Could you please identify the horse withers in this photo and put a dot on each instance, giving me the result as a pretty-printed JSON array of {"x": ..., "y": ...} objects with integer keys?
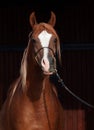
[{"x": 32, "y": 102}]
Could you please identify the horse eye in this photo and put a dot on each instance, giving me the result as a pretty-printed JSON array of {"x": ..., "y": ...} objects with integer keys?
[
  {"x": 55, "y": 40},
  {"x": 33, "y": 40}
]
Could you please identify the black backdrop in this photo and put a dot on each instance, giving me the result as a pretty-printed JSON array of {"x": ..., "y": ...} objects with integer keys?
[{"x": 75, "y": 26}]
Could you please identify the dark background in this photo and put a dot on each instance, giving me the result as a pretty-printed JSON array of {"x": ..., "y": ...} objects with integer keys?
[
  {"x": 74, "y": 20},
  {"x": 75, "y": 27}
]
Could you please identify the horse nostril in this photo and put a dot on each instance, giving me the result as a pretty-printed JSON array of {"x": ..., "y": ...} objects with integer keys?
[
  {"x": 43, "y": 61},
  {"x": 48, "y": 64},
  {"x": 51, "y": 60},
  {"x": 52, "y": 63},
  {"x": 45, "y": 64}
]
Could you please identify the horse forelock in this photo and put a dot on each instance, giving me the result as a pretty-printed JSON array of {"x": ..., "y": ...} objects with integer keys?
[{"x": 43, "y": 26}]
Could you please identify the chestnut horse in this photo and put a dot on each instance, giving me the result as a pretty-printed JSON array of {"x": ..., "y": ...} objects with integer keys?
[{"x": 32, "y": 102}]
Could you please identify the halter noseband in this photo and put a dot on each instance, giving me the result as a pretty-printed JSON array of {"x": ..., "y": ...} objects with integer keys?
[{"x": 43, "y": 48}]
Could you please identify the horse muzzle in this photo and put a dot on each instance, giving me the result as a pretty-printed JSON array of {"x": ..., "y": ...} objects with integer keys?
[{"x": 48, "y": 65}]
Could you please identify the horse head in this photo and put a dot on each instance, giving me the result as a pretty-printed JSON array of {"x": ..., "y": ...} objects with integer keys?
[
  {"x": 43, "y": 48},
  {"x": 45, "y": 42}
]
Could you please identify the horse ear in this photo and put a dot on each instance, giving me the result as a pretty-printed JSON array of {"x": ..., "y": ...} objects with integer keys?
[
  {"x": 32, "y": 19},
  {"x": 52, "y": 20}
]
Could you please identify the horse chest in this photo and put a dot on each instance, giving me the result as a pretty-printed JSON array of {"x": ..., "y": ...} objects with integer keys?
[{"x": 40, "y": 115}]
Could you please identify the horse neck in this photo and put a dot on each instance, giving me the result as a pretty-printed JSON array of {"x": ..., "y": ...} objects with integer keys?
[
  {"x": 34, "y": 74},
  {"x": 35, "y": 81}
]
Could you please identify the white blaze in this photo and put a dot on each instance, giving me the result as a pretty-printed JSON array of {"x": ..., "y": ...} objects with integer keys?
[{"x": 45, "y": 37}]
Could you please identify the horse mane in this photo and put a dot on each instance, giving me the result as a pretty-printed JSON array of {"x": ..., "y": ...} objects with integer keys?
[
  {"x": 23, "y": 69},
  {"x": 12, "y": 89},
  {"x": 21, "y": 81}
]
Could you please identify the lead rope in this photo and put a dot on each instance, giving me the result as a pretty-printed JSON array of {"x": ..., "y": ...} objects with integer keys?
[{"x": 74, "y": 95}]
